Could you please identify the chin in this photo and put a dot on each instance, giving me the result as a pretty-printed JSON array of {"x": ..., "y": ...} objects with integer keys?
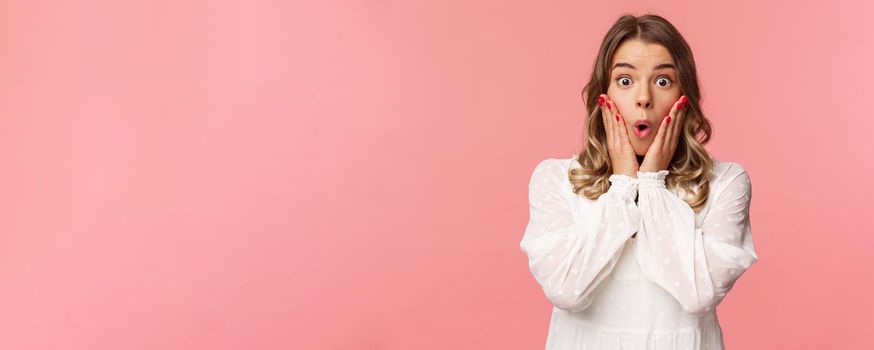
[{"x": 640, "y": 151}]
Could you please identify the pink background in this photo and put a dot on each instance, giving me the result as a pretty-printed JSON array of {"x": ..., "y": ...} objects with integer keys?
[{"x": 353, "y": 175}]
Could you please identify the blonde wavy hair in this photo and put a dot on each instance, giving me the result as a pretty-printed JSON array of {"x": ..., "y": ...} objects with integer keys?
[{"x": 691, "y": 165}]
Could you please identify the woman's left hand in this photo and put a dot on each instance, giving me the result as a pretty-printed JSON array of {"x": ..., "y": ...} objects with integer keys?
[{"x": 658, "y": 156}]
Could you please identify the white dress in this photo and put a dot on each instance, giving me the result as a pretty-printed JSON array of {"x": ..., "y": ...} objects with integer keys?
[{"x": 656, "y": 291}]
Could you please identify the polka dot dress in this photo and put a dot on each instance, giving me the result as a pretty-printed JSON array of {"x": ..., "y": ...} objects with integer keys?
[{"x": 658, "y": 290}]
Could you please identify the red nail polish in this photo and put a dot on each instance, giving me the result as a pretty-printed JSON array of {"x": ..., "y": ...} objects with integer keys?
[
  {"x": 669, "y": 120},
  {"x": 617, "y": 117},
  {"x": 609, "y": 105},
  {"x": 600, "y": 101}
]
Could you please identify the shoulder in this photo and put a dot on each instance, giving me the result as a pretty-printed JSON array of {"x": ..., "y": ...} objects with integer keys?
[
  {"x": 730, "y": 177},
  {"x": 728, "y": 171},
  {"x": 552, "y": 170},
  {"x": 553, "y": 166}
]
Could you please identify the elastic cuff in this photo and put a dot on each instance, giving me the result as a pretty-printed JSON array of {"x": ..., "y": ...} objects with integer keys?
[
  {"x": 651, "y": 180},
  {"x": 623, "y": 185}
]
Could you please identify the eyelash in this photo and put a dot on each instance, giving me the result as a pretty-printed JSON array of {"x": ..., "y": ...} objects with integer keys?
[{"x": 662, "y": 76}]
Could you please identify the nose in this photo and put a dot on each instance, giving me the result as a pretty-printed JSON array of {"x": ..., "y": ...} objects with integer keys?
[{"x": 643, "y": 99}]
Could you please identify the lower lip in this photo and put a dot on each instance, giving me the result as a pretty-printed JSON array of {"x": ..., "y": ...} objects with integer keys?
[{"x": 641, "y": 134}]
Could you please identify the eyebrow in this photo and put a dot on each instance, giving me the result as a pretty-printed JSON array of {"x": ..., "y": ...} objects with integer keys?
[{"x": 628, "y": 65}]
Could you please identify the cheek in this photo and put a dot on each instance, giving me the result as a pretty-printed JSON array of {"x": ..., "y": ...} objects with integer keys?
[
  {"x": 666, "y": 108},
  {"x": 618, "y": 100},
  {"x": 613, "y": 93}
]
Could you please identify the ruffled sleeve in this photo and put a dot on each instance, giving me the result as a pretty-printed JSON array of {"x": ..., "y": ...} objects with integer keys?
[
  {"x": 570, "y": 251},
  {"x": 696, "y": 265}
]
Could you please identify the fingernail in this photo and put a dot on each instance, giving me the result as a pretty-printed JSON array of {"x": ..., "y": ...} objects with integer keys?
[
  {"x": 669, "y": 120},
  {"x": 617, "y": 117},
  {"x": 600, "y": 101},
  {"x": 609, "y": 105}
]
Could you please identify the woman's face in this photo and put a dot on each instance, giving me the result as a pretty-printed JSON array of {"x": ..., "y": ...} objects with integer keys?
[{"x": 644, "y": 86}]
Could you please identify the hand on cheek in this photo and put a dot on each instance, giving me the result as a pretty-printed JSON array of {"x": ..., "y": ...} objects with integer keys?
[
  {"x": 623, "y": 159},
  {"x": 659, "y": 155}
]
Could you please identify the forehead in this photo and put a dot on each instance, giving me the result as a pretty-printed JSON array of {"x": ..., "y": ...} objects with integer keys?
[{"x": 640, "y": 54}]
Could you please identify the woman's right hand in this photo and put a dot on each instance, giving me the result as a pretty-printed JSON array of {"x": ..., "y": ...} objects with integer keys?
[{"x": 622, "y": 156}]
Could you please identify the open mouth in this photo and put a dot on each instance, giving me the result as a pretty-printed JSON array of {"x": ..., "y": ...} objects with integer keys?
[{"x": 641, "y": 130}]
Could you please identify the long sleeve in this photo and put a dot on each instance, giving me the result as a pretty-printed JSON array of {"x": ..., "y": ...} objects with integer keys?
[
  {"x": 697, "y": 266},
  {"x": 570, "y": 250}
]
